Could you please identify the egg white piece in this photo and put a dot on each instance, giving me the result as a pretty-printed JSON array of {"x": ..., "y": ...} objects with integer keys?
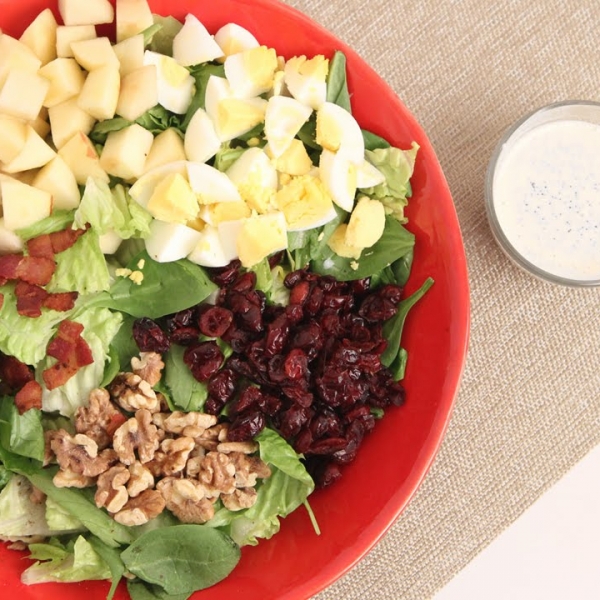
[
  {"x": 253, "y": 167},
  {"x": 284, "y": 118},
  {"x": 308, "y": 89},
  {"x": 229, "y": 232},
  {"x": 232, "y": 38},
  {"x": 323, "y": 220},
  {"x": 217, "y": 89},
  {"x": 193, "y": 44},
  {"x": 339, "y": 176},
  {"x": 201, "y": 141},
  {"x": 141, "y": 191},
  {"x": 335, "y": 119},
  {"x": 109, "y": 242},
  {"x": 246, "y": 73},
  {"x": 175, "y": 85},
  {"x": 368, "y": 175},
  {"x": 211, "y": 185},
  {"x": 168, "y": 242},
  {"x": 209, "y": 251}
]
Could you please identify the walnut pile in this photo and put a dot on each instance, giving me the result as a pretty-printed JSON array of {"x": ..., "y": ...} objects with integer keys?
[{"x": 143, "y": 458}]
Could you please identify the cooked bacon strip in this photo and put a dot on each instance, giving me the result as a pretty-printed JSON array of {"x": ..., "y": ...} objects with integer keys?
[
  {"x": 71, "y": 351},
  {"x": 29, "y": 396},
  {"x": 62, "y": 240},
  {"x": 3, "y": 281},
  {"x": 36, "y": 269},
  {"x": 9, "y": 264},
  {"x": 30, "y": 299},
  {"x": 41, "y": 246},
  {"x": 14, "y": 374},
  {"x": 1, "y": 296},
  {"x": 60, "y": 301}
]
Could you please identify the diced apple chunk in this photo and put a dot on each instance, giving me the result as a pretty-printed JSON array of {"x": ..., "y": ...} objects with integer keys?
[
  {"x": 16, "y": 55},
  {"x": 10, "y": 242},
  {"x": 66, "y": 80},
  {"x": 130, "y": 53},
  {"x": 40, "y": 124},
  {"x": 57, "y": 179},
  {"x": 35, "y": 153},
  {"x": 125, "y": 152},
  {"x": 23, "y": 205},
  {"x": 66, "y": 35},
  {"x": 67, "y": 119},
  {"x": 90, "y": 12},
  {"x": 92, "y": 54},
  {"x": 166, "y": 148},
  {"x": 40, "y": 36},
  {"x": 81, "y": 157},
  {"x": 13, "y": 134},
  {"x": 139, "y": 93},
  {"x": 100, "y": 93},
  {"x": 22, "y": 94},
  {"x": 133, "y": 16}
]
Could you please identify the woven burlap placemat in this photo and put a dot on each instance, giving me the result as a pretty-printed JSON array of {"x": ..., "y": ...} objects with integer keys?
[{"x": 529, "y": 405}]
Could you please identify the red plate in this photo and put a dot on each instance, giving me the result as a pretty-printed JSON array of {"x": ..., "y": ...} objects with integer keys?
[{"x": 393, "y": 460}]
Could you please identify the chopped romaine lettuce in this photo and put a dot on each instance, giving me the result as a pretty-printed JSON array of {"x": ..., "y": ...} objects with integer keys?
[{"x": 59, "y": 519}]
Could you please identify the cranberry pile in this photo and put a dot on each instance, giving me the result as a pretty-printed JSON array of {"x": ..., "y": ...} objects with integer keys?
[{"x": 312, "y": 369}]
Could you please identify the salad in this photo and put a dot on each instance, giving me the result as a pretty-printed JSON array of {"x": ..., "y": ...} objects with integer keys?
[{"x": 202, "y": 263}]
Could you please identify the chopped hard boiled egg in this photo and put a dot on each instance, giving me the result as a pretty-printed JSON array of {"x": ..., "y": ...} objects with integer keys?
[
  {"x": 338, "y": 131},
  {"x": 173, "y": 200},
  {"x": 283, "y": 119},
  {"x": 174, "y": 82},
  {"x": 168, "y": 242},
  {"x": 306, "y": 80},
  {"x": 211, "y": 185},
  {"x": 201, "y": 142},
  {"x": 305, "y": 203},
  {"x": 368, "y": 175},
  {"x": 294, "y": 161},
  {"x": 209, "y": 251},
  {"x": 339, "y": 176},
  {"x": 251, "y": 72},
  {"x": 194, "y": 45},
  {"x": 233, "y": 38},
  {"x": 366, "y": 223},
  {"x": 337, "y": 242},
  {"x": 255, "y": 178},
  {"x": 259, "y": 236},
  {"x": 213, "y": 214},
  {"x": 231, "y": 116},
  {"x": 141, "y": 191}
]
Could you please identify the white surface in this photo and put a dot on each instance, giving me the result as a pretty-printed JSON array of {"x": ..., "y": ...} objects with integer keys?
[{"x": 551, "y": 552}]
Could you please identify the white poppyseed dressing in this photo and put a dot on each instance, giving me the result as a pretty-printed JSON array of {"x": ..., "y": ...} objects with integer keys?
[{"x": 547, "y": 198}]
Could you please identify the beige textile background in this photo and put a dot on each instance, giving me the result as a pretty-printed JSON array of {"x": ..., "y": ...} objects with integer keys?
[{"x": 529, "y": 404}]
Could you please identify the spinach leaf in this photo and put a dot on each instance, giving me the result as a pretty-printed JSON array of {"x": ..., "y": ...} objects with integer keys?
[
  {"x": 395, "y": 243},
  {"x": 122, "y": 348},
  {"x": 337, "y": 84},
  {"x": 398, "y": 367},
  {"x": 392, "y": 329},
  {"x": 76, "y": 503},
  {"x": 183, "y": 558},
  {"x": 140, "y": 590},
  {"x": 21, "y": 434},
  {"x": 166, "y": 288},
  {"x": 112, "y": 558},
  {"x": 186, "y": 392},
  {"x": 373, "y": 141}
]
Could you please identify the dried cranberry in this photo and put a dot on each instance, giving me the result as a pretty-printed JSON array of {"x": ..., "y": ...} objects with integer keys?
[
  {"x": 248, "y": 399},
  {"x": 314, "y": 301},
  {"x": 328, "y": 446},
  {"x": 184, "y": 336},
  {"x": 183, "y": 318},
  {"x": 376, "y": 308},
  {"x": 276, "y": 258},
  {"x": 325, "y": 473},
  {"x": 204, "y": 359},
  {"x": 215, "y": 321},
  {"x": 213, "y": 406},
  {"x": 246, "y": 426},
  {"x": 295, "y": 365},
  {"x": 149, "y": 336},
  {"x": 293, "y": 278},
  {"x": 244, "y": 283},
  {"x": 221, "y": 386},
  {"x": 326, "y": 423},
  {"x": 277, "y": 335},
  {"x": 304, "y": 441},
  {"x": 224, "y": 276},
  {"x": 390, "y": 292},
  {"x": 298, "y": 395},
  {"x": 292, "y": 420}
]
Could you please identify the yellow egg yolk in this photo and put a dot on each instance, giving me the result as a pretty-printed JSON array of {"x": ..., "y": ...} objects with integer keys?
[
  {"x": 173, "y": 200},
  {"x": 303, "y": 201},
  {"x": 172, "y": 72},
  {"x": 366, "y": 223},
  {"x": 337, "y": 242},
  {"x": 260, "y": 65},
  {"x": 260, "y": 236},
  {"x": 235, "y": 116},
  {"x": 295, "y": 160}
]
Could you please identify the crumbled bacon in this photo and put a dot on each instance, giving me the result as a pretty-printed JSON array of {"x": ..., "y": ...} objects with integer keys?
[
  {"x": 62, "y": 240},
  {"x": 71, "y": 351},
  {"x": 14, "y": 374},
  {"x": 8, "y": 266},
  {"x": 29, "y": 396},
  {"x": 40, "y": 246},
  {"x": 30, "y": 299},
  {"x": 32, "y": 269},
  {"x": 1, "y": 296},
  {"x": 61, "y": 301}
]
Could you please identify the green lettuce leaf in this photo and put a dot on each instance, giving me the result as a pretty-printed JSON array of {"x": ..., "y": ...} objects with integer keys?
[
  {"x": 57, "y": 221},
  {"x": 81, "y": 268},
  {"x": 162, "y": 40},
  {"x": 59, "y": 519},
  {"x": 100, "y": 326},
  {"x": 21, "y": 434},
  {"x": 23, "y": 337},
  {"x": 57, "y": 563},
  {"x": 397, "y": 166}
]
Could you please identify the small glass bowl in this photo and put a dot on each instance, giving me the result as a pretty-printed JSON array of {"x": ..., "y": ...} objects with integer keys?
[{"x": 579, "y": 110}]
